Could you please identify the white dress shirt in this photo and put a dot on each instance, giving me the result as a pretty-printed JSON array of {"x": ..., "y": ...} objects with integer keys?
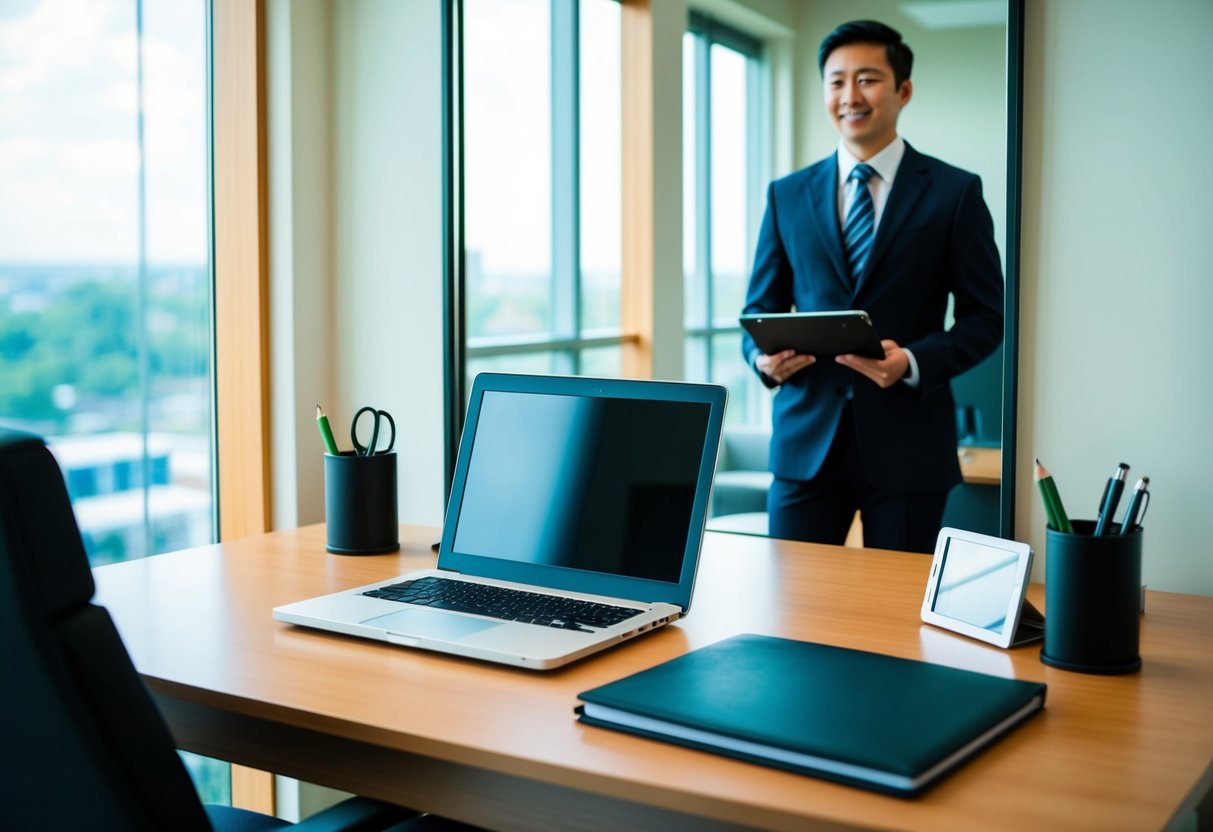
[{"x": 885, "y": 163}]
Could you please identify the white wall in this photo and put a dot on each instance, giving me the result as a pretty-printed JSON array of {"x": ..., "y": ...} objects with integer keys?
[
  {"x": 387, "y": 117},
  {"x": 301, "y": 252},
  {"x": 356, "y": 240},
  {"x": 1117, "y": 285}
]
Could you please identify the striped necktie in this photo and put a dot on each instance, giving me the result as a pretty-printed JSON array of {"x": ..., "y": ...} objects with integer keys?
[{"x": 859, "y": 230}]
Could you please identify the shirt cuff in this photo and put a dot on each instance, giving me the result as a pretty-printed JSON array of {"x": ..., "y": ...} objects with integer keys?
[
  {"x": 766, "y": 380},
  {"x": 911, "y": 377}
]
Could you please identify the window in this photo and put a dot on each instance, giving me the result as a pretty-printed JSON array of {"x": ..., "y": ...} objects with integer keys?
[
  {"x": 724, "y": 174},
  {"x": 105, "y": 328},
  {"x": 542, "y": 194}
]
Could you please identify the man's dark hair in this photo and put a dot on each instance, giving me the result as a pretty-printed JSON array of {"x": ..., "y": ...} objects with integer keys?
[{"x": 901, "y": 59}]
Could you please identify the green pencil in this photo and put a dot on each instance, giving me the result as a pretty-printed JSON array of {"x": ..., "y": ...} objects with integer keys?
[
  {"x": 1054, "y": 509},
  {"x": 326, "y": 433},
  {"x": 1047, "y": 500}
]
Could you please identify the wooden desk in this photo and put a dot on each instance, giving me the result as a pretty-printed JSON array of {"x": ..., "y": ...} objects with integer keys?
[
  {"x": 980, "y": 466},
  {"x": 499, "y": 746}
]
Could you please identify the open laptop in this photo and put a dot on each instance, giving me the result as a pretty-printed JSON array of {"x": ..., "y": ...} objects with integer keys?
[{"x": 586, "y": 495}]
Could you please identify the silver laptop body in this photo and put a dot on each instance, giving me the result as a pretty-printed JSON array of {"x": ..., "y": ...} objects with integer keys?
[{"x": 590, "y": 489}]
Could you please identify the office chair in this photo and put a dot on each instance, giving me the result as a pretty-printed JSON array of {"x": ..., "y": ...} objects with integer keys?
[{"x": 82, "y": 744}]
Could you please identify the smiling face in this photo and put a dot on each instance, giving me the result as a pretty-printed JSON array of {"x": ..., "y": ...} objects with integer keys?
[{"x": 862, "y": 98}]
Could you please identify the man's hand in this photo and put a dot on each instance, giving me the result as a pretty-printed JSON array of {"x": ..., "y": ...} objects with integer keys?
[
  {"x": 885, "y": 371},
  {"x": 783, "y": 365}
]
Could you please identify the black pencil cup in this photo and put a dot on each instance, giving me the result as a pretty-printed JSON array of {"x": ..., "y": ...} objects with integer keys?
[
  {"x": 1092, "y": 600},
  {"x": 360, "y": 503}
]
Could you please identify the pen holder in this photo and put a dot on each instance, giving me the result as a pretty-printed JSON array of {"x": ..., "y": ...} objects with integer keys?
[
  {"x": 360, "y": 503},
  {"x": 1092, "y": 600}
]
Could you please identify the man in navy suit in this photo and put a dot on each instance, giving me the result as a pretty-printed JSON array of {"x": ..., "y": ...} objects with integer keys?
[{"x": 866, "y": 434}]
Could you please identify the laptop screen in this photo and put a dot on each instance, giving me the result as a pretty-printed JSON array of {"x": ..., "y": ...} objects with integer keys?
[
  {"x": 560, "y": 476},
  {"x": 587, "y": 483}
]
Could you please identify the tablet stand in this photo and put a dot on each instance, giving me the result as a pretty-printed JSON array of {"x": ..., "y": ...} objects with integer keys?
[{"x": 1031, "y": 626}]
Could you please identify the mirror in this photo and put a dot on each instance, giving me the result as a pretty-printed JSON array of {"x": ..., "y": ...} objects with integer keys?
[
  {"x": 965, "y": 111},
  {"x": 967, "y": 59}
]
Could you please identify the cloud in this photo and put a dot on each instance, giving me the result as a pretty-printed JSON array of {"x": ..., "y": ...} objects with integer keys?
[
  {"x": 19, "y": 153},
  {"x": 56, "y": 36},
  {"x": 99, "y": 157},
  {"x": 69, "y": 159}
]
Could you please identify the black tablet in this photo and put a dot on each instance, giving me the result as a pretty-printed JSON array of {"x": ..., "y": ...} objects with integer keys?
[{"x": 822, "y": 334}]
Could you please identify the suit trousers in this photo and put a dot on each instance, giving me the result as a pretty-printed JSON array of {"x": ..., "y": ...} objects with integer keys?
[{"x": 820, "y": 510}]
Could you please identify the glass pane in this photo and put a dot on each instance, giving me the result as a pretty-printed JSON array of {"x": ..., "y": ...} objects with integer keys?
[
  {"x": 730, "y": 257},
  {"x": 603, "y": 362},
  {"x": 556, "y": 362},
  {"x": 697, "y": 366},
  {"x": 507, "y": 166},
  {"x": 104, "y": 268},
  {"x": 601, "y": 167},
  {"x": 523, "y": 362},
  {"x": 105, "y": 333},
  {"x": 212, "y": 778},
  {"x": 695, "y": 288},
  {"x": 749, "y": 400}
]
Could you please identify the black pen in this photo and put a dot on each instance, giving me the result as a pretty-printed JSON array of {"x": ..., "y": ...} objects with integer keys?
[
  {"x": 1111, "y": 497},
  {"x": 1135, "y": 510}
]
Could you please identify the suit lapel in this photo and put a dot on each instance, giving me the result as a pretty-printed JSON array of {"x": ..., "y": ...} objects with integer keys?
[
  {"x": 822, "y": 198},
  {"x": 909, "y": 186}
]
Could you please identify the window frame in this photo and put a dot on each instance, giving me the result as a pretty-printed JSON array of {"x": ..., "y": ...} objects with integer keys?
[
  {"x": 567, "y": 340},
  {"x": 240, "y": 254},
  {"x": 708, "y": 32}
]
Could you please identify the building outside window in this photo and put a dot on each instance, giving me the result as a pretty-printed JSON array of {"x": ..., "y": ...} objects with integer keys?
[{"x": 105, "y": 272}]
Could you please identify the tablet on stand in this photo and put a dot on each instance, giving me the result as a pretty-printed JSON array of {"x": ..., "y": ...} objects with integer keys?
[{"x": 977, "y": 588}]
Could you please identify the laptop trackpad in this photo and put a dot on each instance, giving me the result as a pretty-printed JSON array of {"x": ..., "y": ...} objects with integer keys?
[{"x": 422, "y": 623}]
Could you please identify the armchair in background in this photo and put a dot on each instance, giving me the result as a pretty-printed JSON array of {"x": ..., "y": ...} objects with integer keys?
[{"x": 739, "y": 490}]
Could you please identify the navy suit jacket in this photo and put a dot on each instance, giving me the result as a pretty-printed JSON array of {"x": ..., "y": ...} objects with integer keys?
[{"x": 935, "y": 239}]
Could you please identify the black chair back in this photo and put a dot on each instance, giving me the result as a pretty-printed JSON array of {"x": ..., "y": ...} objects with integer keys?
[{"x": 82, "y": 743}]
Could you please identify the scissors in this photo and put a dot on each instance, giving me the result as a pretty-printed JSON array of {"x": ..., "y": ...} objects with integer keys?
[{"x": 377, "y": 416}]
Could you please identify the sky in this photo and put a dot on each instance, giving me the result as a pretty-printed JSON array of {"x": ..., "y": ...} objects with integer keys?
[
  {"x": 508, "y": 142},
  {"x": 69, "y": 151}
]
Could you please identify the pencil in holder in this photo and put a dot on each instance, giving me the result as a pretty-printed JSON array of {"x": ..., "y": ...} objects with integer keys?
[
  {"x": 1092, "y": 600},
  {"x": 360, "y": 503}
]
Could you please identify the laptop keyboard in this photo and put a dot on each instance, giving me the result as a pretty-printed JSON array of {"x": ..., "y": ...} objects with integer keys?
[{"x": 503, "y": 603}]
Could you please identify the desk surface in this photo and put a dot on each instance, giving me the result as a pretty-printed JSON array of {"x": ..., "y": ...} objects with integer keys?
[
  {"x": 499, "y": 746},
  {"x": 980, "y": 466}
]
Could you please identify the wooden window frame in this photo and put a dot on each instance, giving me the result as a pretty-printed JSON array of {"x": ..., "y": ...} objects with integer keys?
[
  {"x": 651, "y": 308},
  {"x": 637, "y": 289},
  {"x": 241, "y": 261}
]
